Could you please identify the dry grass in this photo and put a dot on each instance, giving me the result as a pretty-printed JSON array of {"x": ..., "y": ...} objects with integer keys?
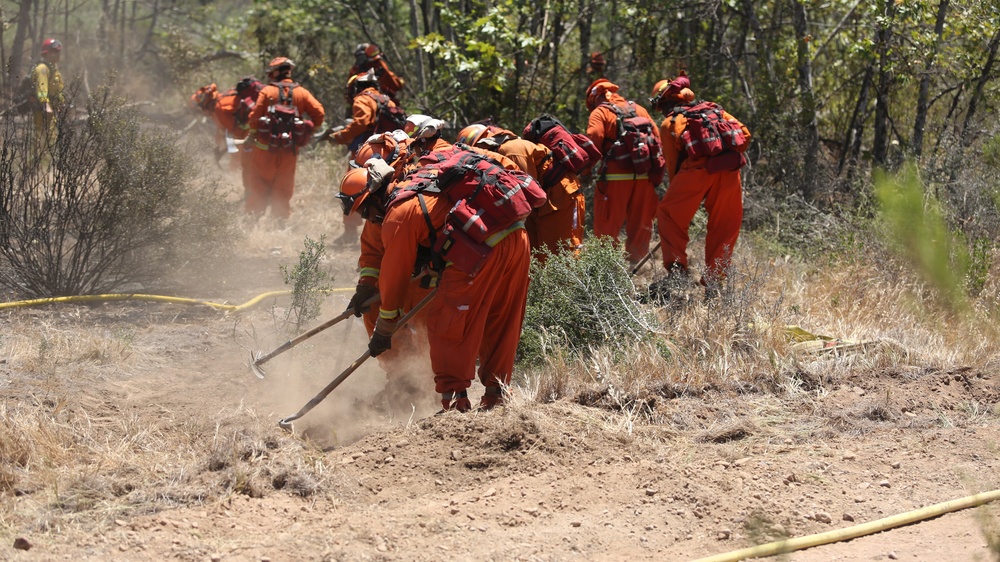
[{"x": 63, "y": 466}]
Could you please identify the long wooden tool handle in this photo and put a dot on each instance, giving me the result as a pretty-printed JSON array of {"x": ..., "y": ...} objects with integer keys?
[
  {"x": 373, "y": 301},
  {"x": 285, "y": 423}
]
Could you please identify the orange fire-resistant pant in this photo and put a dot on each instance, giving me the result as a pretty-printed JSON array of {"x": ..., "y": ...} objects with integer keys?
[
  {"x": 246, "y": 171},
  {"x": 479, "y": 318},
  {"x": 723, "y": 198},
  {"x": 627, "y": 201},
  {"x": 558, "y": 224},
  {"x": 272, "y": 181}
]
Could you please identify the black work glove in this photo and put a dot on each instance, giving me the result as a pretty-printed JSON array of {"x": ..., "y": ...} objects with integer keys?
[
  {"x": 362, "y": 293},
  {"x": 382, "y": 337}
]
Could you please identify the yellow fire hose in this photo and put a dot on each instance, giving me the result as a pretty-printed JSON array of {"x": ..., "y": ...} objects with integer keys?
[
  {"x": 156, "y": 298},
  {"x": 809, "y": 541}
]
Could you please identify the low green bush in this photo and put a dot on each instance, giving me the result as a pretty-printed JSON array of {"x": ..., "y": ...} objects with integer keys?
[{"x": 577, "y": 302}]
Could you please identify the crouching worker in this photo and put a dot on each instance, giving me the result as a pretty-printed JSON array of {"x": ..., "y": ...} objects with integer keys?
[
  {"x": 364, "y": 194},
  {"x": 466, "y": 211}
]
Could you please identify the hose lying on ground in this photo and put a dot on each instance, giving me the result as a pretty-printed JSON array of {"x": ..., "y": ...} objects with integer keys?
[
  {"x": 156, "y": 298},
  {"x": 799, "y": 543}
]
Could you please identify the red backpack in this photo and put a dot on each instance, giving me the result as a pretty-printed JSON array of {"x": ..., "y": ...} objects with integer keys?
[
  {"x": 282, "y": 126},
  {"x": 708, "y": 132},
  {"x": 571, "y": 152},
  {"x": 389, "y": 117},
  {"x": 487, "y": 201},
  {"x": 637, "y": 143},
  {"x": 247, "y": 90}
]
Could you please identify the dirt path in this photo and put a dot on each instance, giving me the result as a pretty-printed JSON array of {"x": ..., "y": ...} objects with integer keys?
[{"x": 535, "y": 482}]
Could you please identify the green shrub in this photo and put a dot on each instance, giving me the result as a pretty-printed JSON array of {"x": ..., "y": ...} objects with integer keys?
[
  {"x": 579, "y": 302},
  {"x": 309, "y": 282},
  {"x": 919, "y": 233}
]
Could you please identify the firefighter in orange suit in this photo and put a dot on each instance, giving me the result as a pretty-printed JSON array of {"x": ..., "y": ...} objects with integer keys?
[
  {"x": 472, "y": 318},
  {"x": 621, "y": 195},
  {"x": 273, "y": 178},
  {"x": 559, "y": 223},
  {"x": 690, "y": 183},
  {"x": 410, "y": 343},
  {"x": 368, "y": 56},
  {"x": 353, "y": 196},
  {"x": 364, "y": 111},
  {"x": 231, "y": 111}
]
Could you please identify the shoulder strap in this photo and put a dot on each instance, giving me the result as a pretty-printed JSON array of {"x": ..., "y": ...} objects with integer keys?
[{"x": 285, "y": 91}]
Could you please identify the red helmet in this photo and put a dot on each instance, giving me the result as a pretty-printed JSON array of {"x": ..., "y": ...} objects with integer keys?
[
  {"x": 385, "y": 146},
  {"x": 678, "y": 89},
  {"x": 472, "y": 134},
  {"x": 205, "y": 98},
  {"x": 51, "y": 45},
  {"x": 354, "y": 190},
  {"x": 597, "y": 62},
  {"x": 280, "y": 63},
  {"x": 598, "y": 92}
]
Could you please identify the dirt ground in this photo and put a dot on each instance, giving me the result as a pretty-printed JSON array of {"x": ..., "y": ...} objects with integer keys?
[{"x": 577, "y": 479}]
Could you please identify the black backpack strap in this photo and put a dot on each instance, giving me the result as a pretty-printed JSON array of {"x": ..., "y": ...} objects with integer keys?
[{"x": 285, "y": 92}]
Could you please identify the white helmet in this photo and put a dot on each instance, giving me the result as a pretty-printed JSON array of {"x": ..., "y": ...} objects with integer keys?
[{"x": 423, "y": 126}]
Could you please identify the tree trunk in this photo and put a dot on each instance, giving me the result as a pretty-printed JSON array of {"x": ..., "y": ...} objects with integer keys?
[
  {"x": 557, "y": 30},
  {"x": 883, "y": 35},
  {"x": 807, "y": 115},
  {"x": 43, "y": 22},
  {"x": 925, "y": 84},
  {"x": 415, "y": 32},
  {"x": 20, "y": 36},
  {"x": 966, "y": 135},
  {"x": 851, "y": 147},
  {"x": 586, "y": 26}
]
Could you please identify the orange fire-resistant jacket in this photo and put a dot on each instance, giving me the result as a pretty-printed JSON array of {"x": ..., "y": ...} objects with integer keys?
[
  {"x": 369, "y": 266},
  {"x": 225, "y": 116},
  {"x": 364, "y": 111},
  {"x": 394, "y": 270}
]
